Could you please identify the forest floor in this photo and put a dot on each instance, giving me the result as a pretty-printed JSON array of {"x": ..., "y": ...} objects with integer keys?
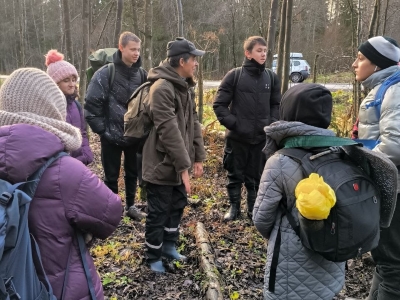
[{"x": 240, "y": 252}]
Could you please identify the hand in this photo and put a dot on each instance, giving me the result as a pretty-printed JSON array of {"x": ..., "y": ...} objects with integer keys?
[
  {"x": 197, "y": 169},
  {"x": 186, "y": 180},
  {"x": 88, "y": 239}
]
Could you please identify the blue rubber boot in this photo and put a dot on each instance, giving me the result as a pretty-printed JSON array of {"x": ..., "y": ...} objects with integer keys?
[
  {"x": 157, "y": 266},
  {"x": 169, "y": 251}
]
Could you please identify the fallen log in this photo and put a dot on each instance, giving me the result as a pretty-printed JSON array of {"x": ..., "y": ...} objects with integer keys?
[{"x": 207, "y": 264}]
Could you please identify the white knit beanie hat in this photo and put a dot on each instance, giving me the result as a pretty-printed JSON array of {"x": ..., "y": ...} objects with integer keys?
[
  {"x": 30, "y": 96},
  {"x": 57, "y": 68}
]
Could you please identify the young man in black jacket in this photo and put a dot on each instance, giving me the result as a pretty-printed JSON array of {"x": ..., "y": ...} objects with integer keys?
[
  {"x": 245, "y": 107},
  {"x": 105, "y": 107}
]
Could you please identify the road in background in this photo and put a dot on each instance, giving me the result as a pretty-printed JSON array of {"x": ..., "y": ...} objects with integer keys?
[{"x": 208, "y": 84}]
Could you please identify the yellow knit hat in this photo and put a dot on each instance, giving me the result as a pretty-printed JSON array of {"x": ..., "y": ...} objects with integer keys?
[{"x": 314, "y": 197}]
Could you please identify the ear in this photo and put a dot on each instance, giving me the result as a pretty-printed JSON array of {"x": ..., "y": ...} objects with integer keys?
[
  {"x": 247, "y": 53},
  {"x": 181, "y": 62},
  {"x": 120, "y": 47}
]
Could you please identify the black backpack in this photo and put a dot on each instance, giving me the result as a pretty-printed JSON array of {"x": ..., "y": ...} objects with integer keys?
[{"x": 352, "y": 227}]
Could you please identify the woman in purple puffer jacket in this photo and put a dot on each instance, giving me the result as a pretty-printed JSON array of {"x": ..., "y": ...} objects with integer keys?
[
  {"x": 69, "y": 196},
  {"x": 66, "y": 76}
]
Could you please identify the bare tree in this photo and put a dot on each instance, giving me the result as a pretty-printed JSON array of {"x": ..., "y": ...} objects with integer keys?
[
  {"x": 67, "y": 31},
  {"x": 180, "y": 17},
  {"x": 85, "y": 48},
  {"x": 385, "y": 18},
  {"x": 288, "y": 33},
  {"x": 118, "y": 21},
  {"x": 373, "y": 20},
  {"x": 273, "y": 16},
  {"x": 135, "y": 22},
  {"x": 281, "y": 42},
  {"x": 105, "y": 23},
  {"x": 148, "y": 34},
  {"x": 378, "y": 17}
]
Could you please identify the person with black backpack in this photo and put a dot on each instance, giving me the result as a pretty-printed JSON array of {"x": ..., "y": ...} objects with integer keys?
[
  {"x": 294, "y": 272},
  {"x": 378, "y": 128},
  {"x": 65, "y": 76},
  {"x": 106, "y": 103},
  {"x": 247, "y": 100}
]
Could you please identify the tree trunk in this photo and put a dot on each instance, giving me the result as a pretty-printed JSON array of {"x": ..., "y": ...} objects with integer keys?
[
  {"x": 135, "y": 17},
  {"x": 378, "y": 17},
  {"x": 67, "y": 32},
  {"x": 288, "y": 33},
  {"x": 373, "y": 20},
  {"x": 118, "y": 21},
  {"x": 148, "y": 35},
  {"x": 281, "y": 42},
  {"x": 385, "y": 19},
  {"x": 105, "y": 23},
  {"x": 85, "y": 49},
  {"x": 272, "y": 32},
  {"x": 180, "y": 18},
  {"x": 233, "y": 35},
  {"x": 200, "y": 90},
  {"x": 315, "y": 68}
]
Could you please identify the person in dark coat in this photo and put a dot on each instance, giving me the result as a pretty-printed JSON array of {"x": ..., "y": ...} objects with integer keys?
[
  {"x": 105, "y": 108},
  {"x": 174, "y": 146},
  {"x": 65, "y": 76},
  {"x": 69, "y": 196},
  {"x": 245, "y": 108}
]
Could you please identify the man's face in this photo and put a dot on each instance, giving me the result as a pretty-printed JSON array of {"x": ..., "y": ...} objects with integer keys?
[
  {"x": 258, "y": 53},
  {"x": 363, "y": 67},
  {"x": 189, "y": 67},
  {"x": 68, "y": 85},
  {"x": 130, "y": 53}
]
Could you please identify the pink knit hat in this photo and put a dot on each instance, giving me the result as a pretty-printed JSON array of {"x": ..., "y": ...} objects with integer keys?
[{"x": 57, "y": 68}]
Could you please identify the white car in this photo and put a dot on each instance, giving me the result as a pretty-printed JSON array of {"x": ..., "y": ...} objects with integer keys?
[{"x": 299, "y": 67}]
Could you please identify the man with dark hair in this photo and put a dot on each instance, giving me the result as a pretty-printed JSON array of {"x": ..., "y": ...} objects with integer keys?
[
  {"x": 247, "y": 100},
  {"x": 174, "y": 146},
  {"x": 105, "y": 107}
]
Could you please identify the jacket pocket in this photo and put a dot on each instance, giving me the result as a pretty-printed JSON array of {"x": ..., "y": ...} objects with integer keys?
[{"x": 164, "y": 170}]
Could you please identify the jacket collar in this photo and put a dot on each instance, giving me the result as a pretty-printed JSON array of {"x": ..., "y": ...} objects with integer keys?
[
  {"x": 253, "y": 67},
  {"x": 122, "y": 67},
  {"x": 379, "y": 77}
]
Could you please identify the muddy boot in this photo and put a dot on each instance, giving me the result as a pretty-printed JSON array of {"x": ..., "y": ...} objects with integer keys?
[
  {"x": 251, "y": 199},
  {"x": 234, "y": 199},
  {"x": 157, "y": 266},
  {"x": 373, "y": 292},
  {"x": 169, "y": 251}
]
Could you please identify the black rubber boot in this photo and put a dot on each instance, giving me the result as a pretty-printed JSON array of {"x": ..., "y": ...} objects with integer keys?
[
  {"x": 234, "y": 195},
  {"x": 251, "y": 199},
  {"x": 373, "y": 292}
]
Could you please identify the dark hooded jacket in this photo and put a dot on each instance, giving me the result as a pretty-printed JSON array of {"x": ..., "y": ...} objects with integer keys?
[
  {"x": 175, "y": 142},
  {"x": 250, "y": 106},
  {"x": 106, "y": 106}
]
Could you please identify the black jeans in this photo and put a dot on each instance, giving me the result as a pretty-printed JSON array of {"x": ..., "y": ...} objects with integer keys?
[
  {"x": 244, "y": 163},
  {"x": 387, "y": 258},
  {"x": 111, "y": 161},
  {"x": 165, "y": 205}
]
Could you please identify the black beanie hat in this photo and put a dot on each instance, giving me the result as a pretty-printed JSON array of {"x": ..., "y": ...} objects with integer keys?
[
  {"x": 381, "y": 50},
  {"x": 308, "y": 103}
]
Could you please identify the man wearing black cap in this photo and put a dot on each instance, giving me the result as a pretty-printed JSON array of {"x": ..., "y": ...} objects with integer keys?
[{"x": 174, "y": 146}]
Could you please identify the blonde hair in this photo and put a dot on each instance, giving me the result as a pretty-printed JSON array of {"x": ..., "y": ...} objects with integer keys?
[{"x": 126, "y": 37}]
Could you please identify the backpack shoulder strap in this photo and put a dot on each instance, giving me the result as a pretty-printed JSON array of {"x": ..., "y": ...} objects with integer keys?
[
  {"x": 271, "y": 76},
  {"x": 33, "y": 180},
  {"x": 380, "y": 94},
  {"x": 142, "y": 75},
  {"x": 88, "y": 274},
  {"x": 238, "y": 73},
  {"x": 111, "y": 74}
]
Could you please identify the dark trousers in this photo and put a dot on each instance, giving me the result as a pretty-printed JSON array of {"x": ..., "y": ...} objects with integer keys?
[
  {"x": 111, "y": 160},
  {"x": 387, "y": 258},
  {"x": 244, "y": 163},
  {"x": 165, "y": 205}
]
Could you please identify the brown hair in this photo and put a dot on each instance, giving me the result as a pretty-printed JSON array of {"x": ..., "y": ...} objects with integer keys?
[
  {"x": 251, "y": 41},
  {"x": 126, "y": 37}
]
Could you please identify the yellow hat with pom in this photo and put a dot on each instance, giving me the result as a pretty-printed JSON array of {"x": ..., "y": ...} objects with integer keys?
[{"x": 314, "y": 197}]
